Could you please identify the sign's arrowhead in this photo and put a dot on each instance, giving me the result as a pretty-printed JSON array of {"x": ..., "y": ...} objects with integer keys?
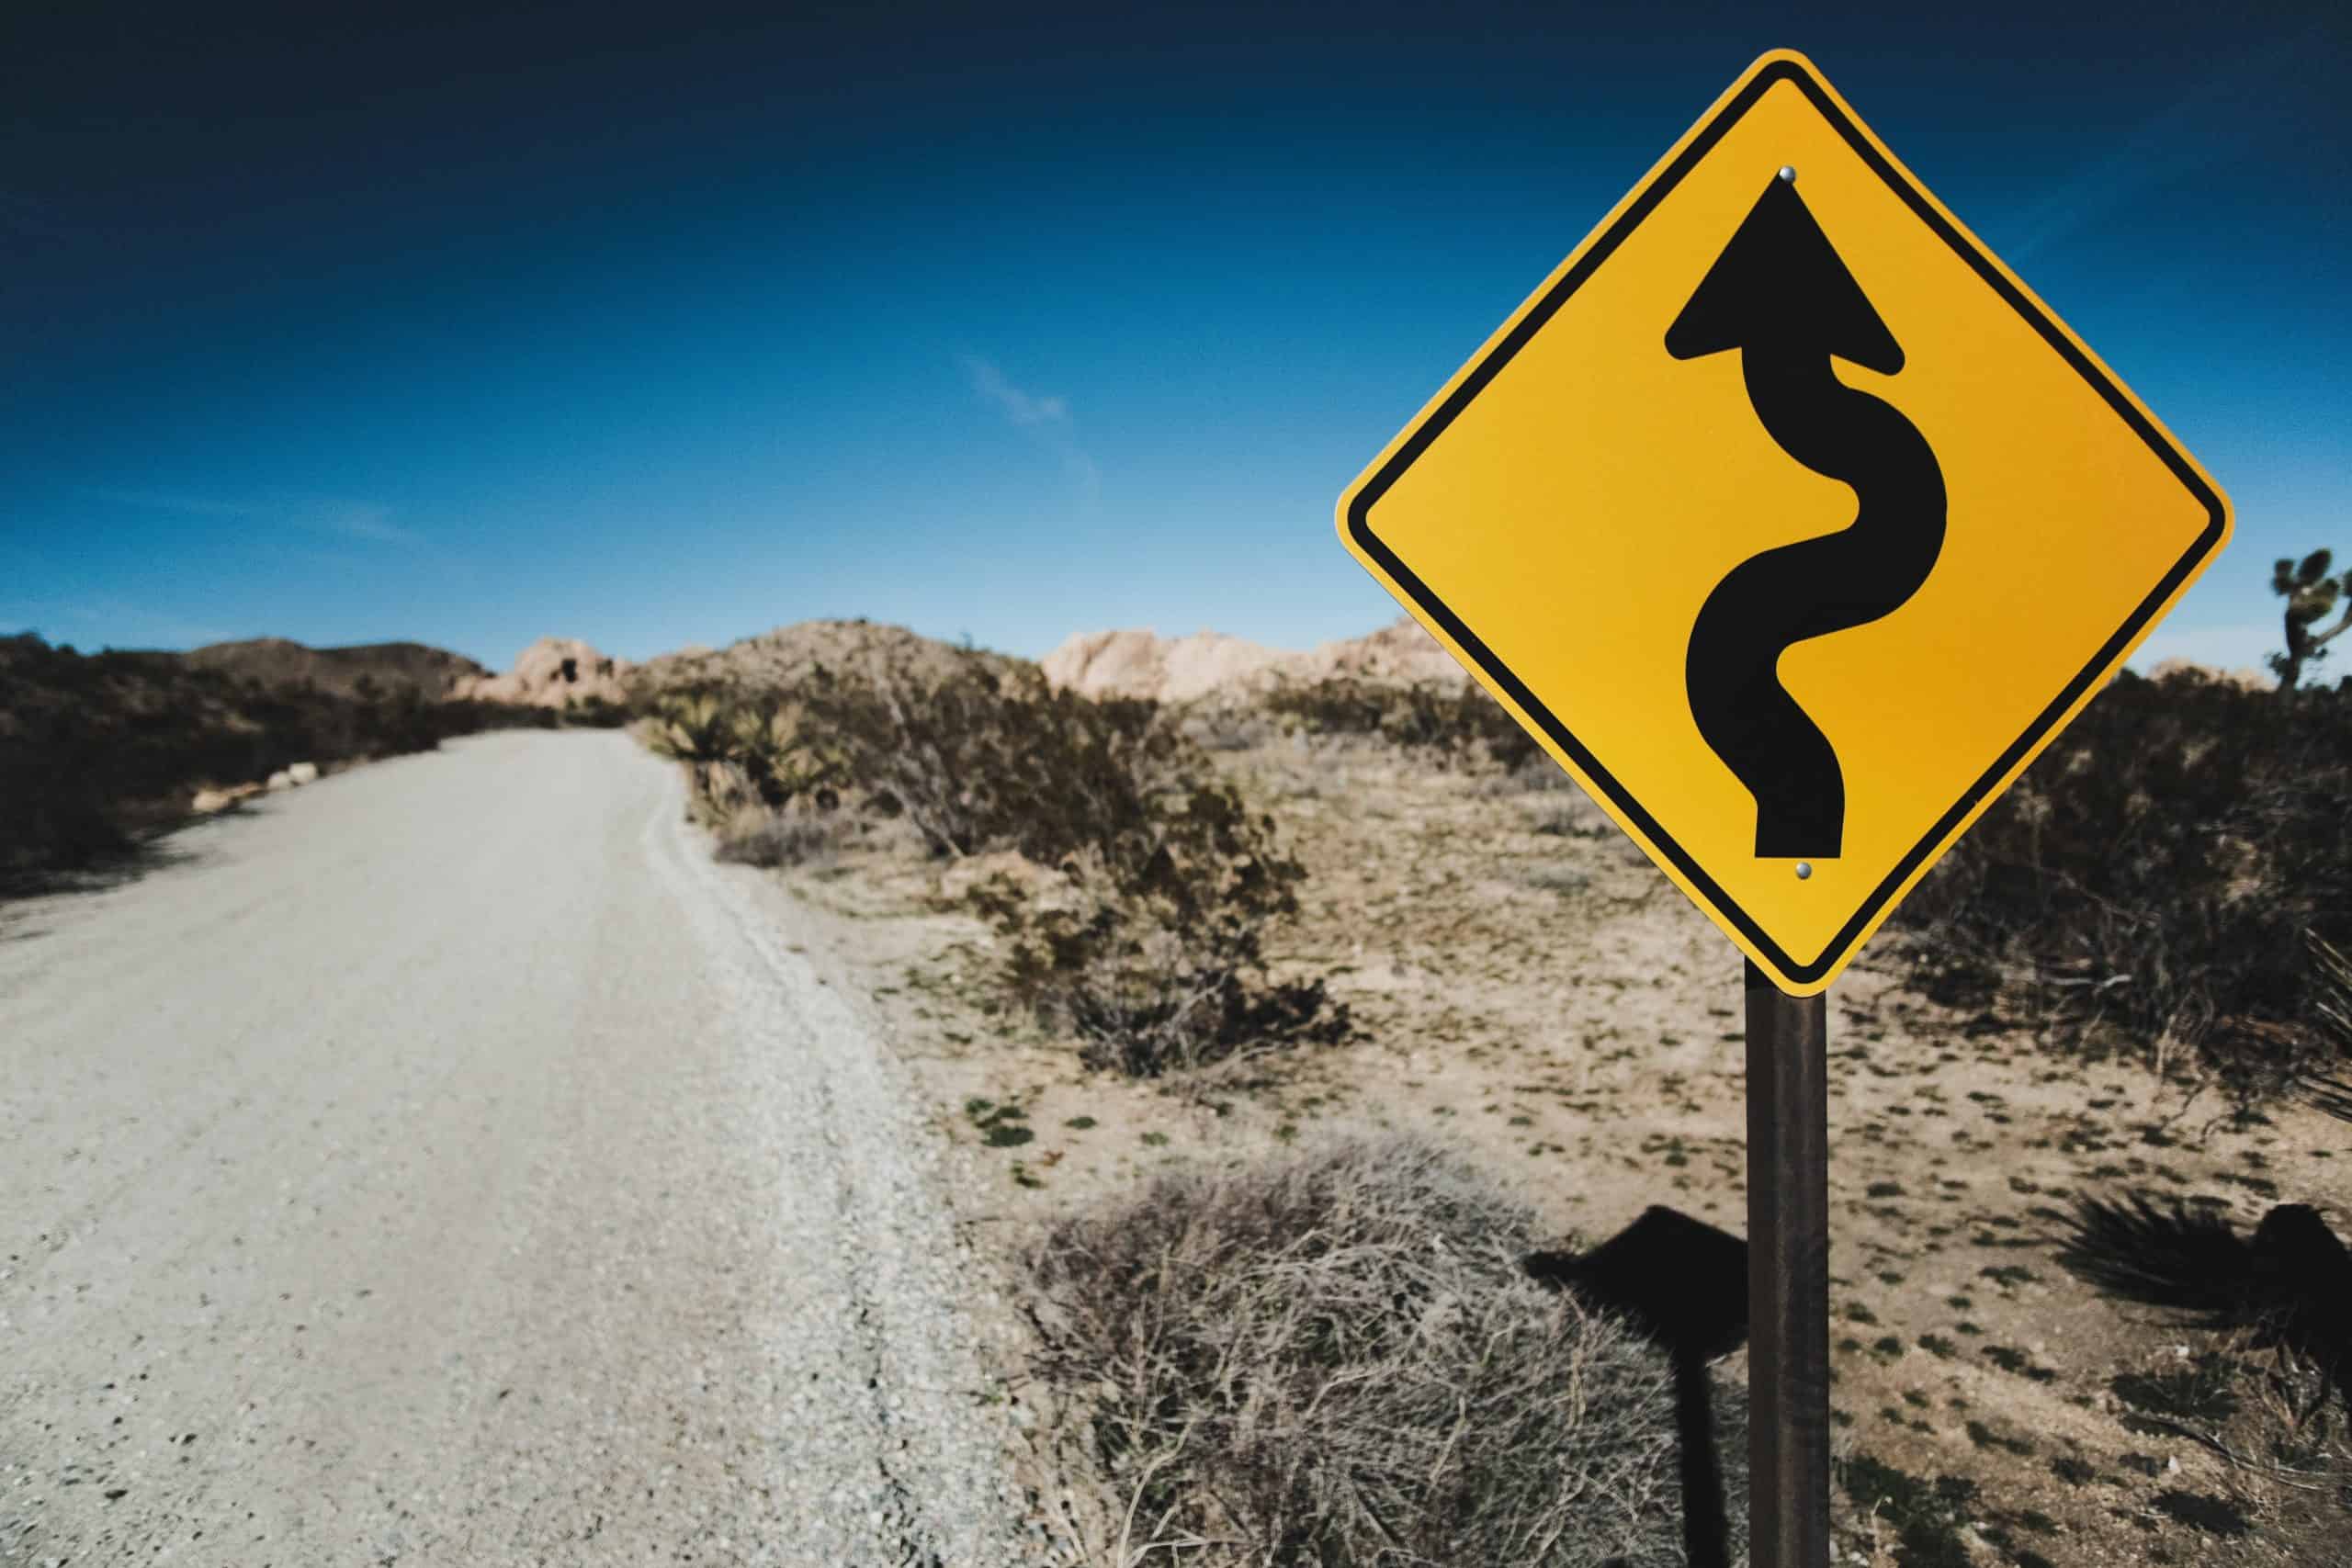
[{"x": 1779, "y": 285}]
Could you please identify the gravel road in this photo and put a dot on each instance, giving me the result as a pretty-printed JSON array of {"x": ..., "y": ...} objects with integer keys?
[{"x": 447, "y": 1164}]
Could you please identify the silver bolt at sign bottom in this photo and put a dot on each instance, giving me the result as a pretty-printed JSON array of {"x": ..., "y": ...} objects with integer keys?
[{"x": 1804, "y": 869}]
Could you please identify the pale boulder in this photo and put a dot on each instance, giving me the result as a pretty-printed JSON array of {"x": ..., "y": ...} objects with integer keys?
[
  {"x": 1144, "y": 664},
  {"x": 282, "y": 779},
  {"x": 550, "y": 674},
  {"x": 303, "y": 773},
  {"x": 2248, "y": 679}
]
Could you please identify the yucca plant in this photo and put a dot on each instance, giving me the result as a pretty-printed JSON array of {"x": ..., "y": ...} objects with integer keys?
[
  {"x": 784, "y": 758},
  {"x": 696, "y": 728}
]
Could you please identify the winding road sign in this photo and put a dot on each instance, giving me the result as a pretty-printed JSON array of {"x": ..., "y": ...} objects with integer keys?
[{"x": 1788, "y": 520}]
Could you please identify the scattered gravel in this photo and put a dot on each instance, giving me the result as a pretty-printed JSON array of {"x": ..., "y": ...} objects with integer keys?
[{"x": 449, "y": 1164}]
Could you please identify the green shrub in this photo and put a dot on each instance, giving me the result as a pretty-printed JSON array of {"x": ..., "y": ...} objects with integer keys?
[
  {"x": 1338, "y": 1360},
  {"x": 2164, "y": 870},
  {"x": 596, "y": 713},
  {"x": 741, "y": 748},
  {"x": 982, "y": 757},
  {"x": 1150, "y": 949}
]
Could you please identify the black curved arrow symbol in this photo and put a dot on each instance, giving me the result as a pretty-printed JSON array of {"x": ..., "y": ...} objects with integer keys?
[{"x": 1780, "y": 295}]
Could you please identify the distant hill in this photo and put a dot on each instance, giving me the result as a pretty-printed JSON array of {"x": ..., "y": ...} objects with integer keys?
[
  {"x": 784, "y": 655},
  {"x": 395, "y": 667},
  {"x": 96, "y": 748},
  {"x": 1114, "y": 663}
]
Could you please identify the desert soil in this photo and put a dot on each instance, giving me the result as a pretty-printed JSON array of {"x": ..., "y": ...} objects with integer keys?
[{"x": 1527, "y": 988}]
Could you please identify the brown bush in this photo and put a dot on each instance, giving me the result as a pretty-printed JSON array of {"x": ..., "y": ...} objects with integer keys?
[
  {"x": 1450, "y": 722},
  {"x": 777, "y": 839},
  {"x": 1154, "y": 955},
  {"x": 2160, "y": 876},
  {"x": 1338, "y": 1361}
]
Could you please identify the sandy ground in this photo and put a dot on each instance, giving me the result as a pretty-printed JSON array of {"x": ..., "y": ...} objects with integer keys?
[
  {"x": 447, "y": 1164},
  {"x": 1529, "y": 988}
]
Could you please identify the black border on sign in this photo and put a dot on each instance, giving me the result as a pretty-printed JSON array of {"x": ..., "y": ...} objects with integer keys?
[{"x": 1360, "y": 510}]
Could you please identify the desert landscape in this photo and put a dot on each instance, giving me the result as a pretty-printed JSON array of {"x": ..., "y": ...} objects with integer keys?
[
  {"x": 1460, "y": 960},
  {"x": 1179, "y": 934},
  {"x": 718, "y": 844}
]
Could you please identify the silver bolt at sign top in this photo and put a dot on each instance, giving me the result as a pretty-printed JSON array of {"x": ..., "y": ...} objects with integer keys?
[{"x": 1788, "y": 173}]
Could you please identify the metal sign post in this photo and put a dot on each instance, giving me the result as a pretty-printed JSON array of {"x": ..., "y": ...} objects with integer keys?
[{"x": 1788, "y": 1276}]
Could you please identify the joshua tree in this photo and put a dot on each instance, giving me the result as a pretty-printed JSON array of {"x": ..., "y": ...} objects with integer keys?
[{"x": 2310, "y": 594}]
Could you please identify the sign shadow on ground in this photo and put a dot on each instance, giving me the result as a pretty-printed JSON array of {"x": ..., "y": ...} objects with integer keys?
[{"x": 1682, "y": 1283}]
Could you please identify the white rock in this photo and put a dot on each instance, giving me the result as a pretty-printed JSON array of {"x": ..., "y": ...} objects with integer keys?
[
  {"x": 281, "y": 780},
  {"x": 303, "y": 773}
]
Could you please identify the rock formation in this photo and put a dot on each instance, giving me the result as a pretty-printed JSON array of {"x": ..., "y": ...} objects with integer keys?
[
  {"x": 2250, "y": 680},
  {"x": 1143, "y": 664},
  {"x": 550, "y": 674}
]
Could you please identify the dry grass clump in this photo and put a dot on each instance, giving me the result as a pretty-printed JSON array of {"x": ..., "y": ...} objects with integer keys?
[
  {"x": 1338, "y": 1360},
  {"x": 774, "y": 839},
  {"x": 2328, "y": 1083}
]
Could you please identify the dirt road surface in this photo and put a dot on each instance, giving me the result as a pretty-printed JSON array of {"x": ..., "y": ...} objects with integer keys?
[{"x": 447, "y": 1164}]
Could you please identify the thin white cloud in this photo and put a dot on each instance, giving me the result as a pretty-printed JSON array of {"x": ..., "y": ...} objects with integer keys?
[
  {"x": 1046, "y": 418},
  {"x": 1021, "y": 408}
]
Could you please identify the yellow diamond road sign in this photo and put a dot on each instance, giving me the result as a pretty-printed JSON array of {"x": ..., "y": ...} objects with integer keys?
[{"x": 1788, "y": 520}]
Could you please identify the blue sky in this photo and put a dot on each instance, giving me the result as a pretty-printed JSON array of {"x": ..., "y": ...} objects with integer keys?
[{"x": 660, "y": 326}]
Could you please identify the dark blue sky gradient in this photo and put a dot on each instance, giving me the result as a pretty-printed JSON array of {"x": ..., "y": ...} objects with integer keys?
[{"x": 654, "y": 326}]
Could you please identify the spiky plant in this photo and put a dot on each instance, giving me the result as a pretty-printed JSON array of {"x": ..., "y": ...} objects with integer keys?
[
  {"x": 783, "y": 757},
  {"x": 696, "y": 728}
]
